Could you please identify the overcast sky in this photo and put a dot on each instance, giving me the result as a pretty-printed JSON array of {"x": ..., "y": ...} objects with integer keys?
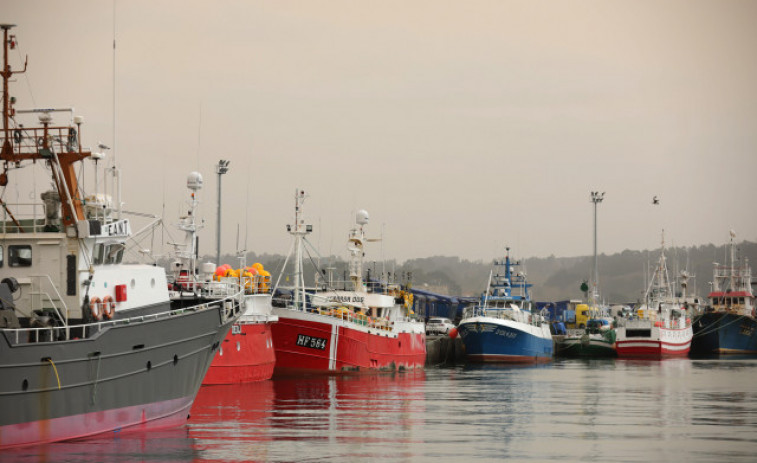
[{"x": 460, "y": 126}]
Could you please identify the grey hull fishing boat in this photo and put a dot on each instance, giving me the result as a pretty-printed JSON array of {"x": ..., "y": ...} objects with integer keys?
[{"x": 88, "y": 343}]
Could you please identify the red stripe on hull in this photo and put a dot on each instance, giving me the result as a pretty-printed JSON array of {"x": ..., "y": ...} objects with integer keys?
[
  {"x": 651, "y": 349},
  {"x": 346, "y": 350},
  {"x": 138, "y": 418},
  {"x": 244, "y": 357}
]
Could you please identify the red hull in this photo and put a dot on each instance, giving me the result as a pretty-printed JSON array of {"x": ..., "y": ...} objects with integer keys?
[
  {"x": 651, "y": 349},
  {"x": 138, "y": 418},
  {"x": 246, "y": 355},
  {"x": 330, "y": 347}
]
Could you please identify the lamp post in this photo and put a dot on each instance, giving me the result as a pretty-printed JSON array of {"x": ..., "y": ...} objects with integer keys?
[
  {"x": 596, "y": 198},
  {"x": 221, "y": 168}
]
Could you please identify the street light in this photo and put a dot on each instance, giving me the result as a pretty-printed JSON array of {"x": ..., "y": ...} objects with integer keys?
[
  {"x": 221, "y": 168},
  {"x": 596, "y": 198}
]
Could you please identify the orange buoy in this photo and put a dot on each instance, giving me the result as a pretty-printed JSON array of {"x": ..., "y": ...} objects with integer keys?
[
  {"x": 453, "y": 333},
  {"x": 108, "y": 307},
  {"x": 94, "y": 307}
]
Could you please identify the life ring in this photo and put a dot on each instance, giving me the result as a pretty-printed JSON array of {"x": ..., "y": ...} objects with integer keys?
[
  {"x": 94, "y": 307},
  {"x": 108, "y": 307}
]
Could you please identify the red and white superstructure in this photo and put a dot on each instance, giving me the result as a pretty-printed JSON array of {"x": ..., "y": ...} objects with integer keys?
[
  {"x": 659, "y": 328},
  {"x": 352, "y": 330},
  {"x": 246, "y": 353}
]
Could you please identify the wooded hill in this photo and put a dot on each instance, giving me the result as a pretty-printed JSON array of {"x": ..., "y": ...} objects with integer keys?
[{"x": 622, "y": 276}]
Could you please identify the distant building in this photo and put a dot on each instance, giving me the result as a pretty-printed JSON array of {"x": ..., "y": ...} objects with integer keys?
[{"x": 427, "y": 304}]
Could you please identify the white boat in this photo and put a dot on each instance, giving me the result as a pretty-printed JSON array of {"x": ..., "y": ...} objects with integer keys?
[{"x": 661, "y": 327}]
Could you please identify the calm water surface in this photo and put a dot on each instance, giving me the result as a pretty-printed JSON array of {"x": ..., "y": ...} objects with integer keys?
[{"x": 613, "y": 410}]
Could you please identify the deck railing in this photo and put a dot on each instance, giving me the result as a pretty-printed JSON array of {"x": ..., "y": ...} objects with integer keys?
[{"x": 231, "y": 306}]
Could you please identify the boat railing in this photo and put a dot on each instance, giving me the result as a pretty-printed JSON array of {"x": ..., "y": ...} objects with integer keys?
[
  {"x": 39, "y": 296},
  {"x": 357, "y": 318},
  {"x": 24, "y": 218},
  {"x": 32, "y": 139},
  {"x": 230, "y": 305}
]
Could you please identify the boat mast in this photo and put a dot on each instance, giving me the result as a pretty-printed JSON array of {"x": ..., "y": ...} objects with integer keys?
[
  {"x": 59, "y": 146},
  {"x": 299, "y": 230}
]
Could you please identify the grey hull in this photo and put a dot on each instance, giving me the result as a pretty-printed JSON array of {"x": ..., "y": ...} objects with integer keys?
[{"x": 136, "y": 372}]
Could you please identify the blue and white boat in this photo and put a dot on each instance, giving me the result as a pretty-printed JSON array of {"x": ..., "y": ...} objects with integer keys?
[{"x": 503, "y": 328}]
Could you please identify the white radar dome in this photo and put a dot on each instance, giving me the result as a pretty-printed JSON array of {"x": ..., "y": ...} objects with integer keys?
[
  {"x": 362, "y": 217},
  {"x": 194, "y": 181}
]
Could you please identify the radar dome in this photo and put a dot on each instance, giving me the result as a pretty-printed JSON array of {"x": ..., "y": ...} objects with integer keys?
[
  {"x": 194, "y": 181},
  {"x": 362, "y": 217}
]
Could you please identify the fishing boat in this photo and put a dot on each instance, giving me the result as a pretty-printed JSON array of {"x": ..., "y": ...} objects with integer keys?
[
  {"x": 728, "y": 326},
  {"x": 595, "y": 341},
  {"x": 246, "y": 353},
  {"x": 89, "y": 343},
  {"x": 661, "y": 326},
  {"x": 355, "y": 329},
  {"x": 503, "y": 327}
]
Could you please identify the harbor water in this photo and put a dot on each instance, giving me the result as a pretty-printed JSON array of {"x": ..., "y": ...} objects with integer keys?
[{"x": 569, "y": 410}]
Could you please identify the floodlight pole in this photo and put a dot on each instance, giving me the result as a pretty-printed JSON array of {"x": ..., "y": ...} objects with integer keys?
[
  {"x": 596, "y": 198},
  {"x": 221, "y": 168}
]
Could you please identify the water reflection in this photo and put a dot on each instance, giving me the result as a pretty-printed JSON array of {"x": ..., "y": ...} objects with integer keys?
[
  {"x": 318, "y": 417},
  {"x": 170, "y": 445},
  {"x": 571, "y": 410}
]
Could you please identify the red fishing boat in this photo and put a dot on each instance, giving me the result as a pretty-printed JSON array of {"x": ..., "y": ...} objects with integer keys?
[
  {"x": 246, "y": 353},
  {"x": 359, "y": 328}
]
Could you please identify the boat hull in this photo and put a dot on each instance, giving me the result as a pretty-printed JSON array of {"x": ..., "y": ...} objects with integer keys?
[
  {"x": 660, "y": 343},
  {"x": 246, "y": 355},
  {"x": 503, "y": 341},
  {"x": 584, "y": 346},
  {"x": 140, "y": 374},
  {"x": 722, "y": 333},
  {"x": 313, "y": 343}
]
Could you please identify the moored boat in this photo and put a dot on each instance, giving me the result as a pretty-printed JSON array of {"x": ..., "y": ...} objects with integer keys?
[
  {"x": 661, "y": 327},
  {"x": 351, "y": 330},
  {"x": 246, "y": 353},
  {"x": 502, "y": 327},
  {"x": 728, "y": 325},
  {"x": 88, "y": 343},
  {"x": 595, "y": 341}
]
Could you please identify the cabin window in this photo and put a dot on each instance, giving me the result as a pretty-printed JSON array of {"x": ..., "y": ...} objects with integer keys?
[
  {"x": 20, "y": 256},
  {"x": 741, "y": 300},
  {"x": 115, "y": 254},
  {"x": 97, "y": 255}
]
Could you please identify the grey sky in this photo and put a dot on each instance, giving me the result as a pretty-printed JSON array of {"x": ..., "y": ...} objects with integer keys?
[{"x": 461, "y": 126}]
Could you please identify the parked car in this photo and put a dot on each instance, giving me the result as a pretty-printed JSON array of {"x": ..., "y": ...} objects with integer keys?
[{"x": 439, "y": 325}]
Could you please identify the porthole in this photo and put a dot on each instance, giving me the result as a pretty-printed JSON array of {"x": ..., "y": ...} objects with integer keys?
[
  {"x": 149, "y": 365},
  {"x": 25, "y": 385},
  {"x": 175, "y": 359}
]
